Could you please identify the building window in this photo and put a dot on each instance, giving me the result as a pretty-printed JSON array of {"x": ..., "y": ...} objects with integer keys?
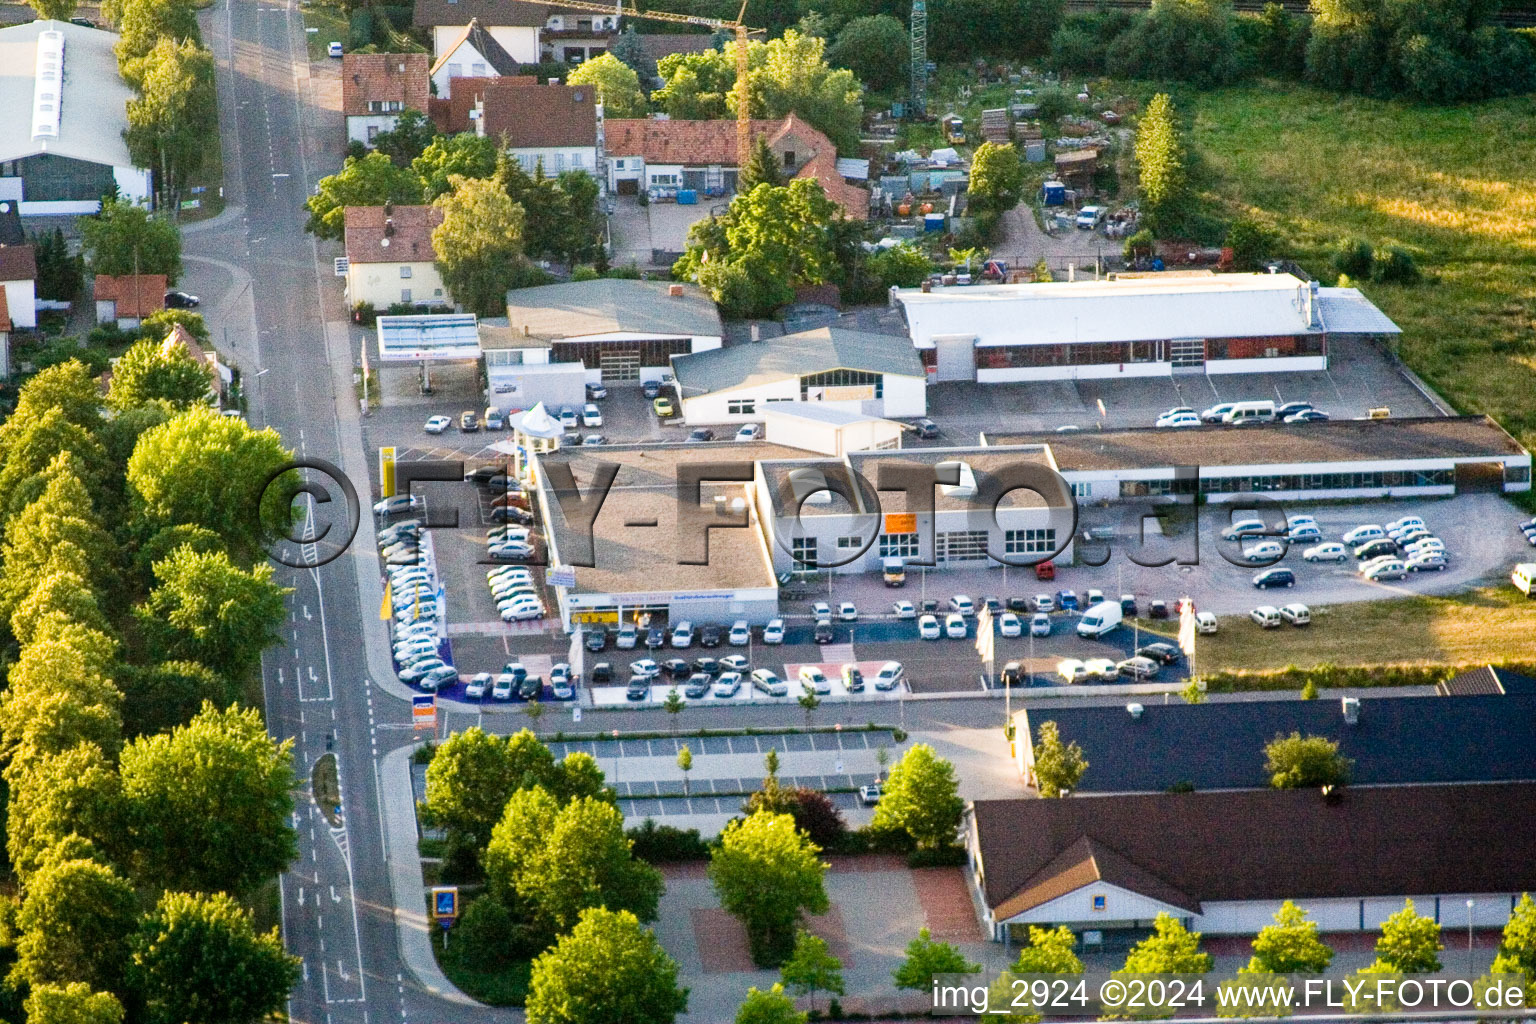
[
  {"x": 405, "y": 272},
  {"x": 874, "y": 382},
  {"x": 405, "y": 295},
  {"x": 1100, "y": 902},
  {"x": 598, "y": 355},
  {"x": 618, "y": 164},
  {"x": 789, "y": 158},
  {"x": 804, "y": 551},
  {"x": 663, "y": 179},
  {"x": 1082, "y": 490},
  {"x": 1517, "y": 474},
  {"x": 455, "y": 70},
  {"x": 770, "y": 401},
  {"x": 850, "y": 543},
  {"x": 479, "y": 69},
  {"x": 373, "y": 130},
  {"x": 1029, "y": 542},
  {"x": 576, "y": 163},
  {"x": 741, "y": 406},
  {"x": 898, "y": 545}
]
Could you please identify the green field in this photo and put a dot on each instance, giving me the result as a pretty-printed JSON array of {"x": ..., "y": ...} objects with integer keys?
[
  {"x": 332, "y": 25},
  {"x": 1454, "y": 185}
]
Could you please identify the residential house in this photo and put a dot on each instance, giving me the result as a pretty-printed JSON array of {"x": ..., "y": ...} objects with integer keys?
[
  {"x": 474, "y": 53},
  {"x": 558, "y": 126},
  {"x": 662, "y": 156},
  {"x": 128, "y": 299},
  {"x": 61, "y": 139},
  {"x": 1223, "y": 862},
  {"x": 18, "y": 284},
  {"x": 219, "y": 375},
  {"x": 390, "y": 258},
  {"x": 1391, "y": 741},
  {"x": 527, "y": 32},
  {"x": 377, "y": 87}
]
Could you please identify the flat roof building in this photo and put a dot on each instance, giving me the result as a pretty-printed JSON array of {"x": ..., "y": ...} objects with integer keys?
[
  {"x": 61, "y": 139},
  {"x": 1132, "y": 326},
  {"x": 1223, "y": 862}
]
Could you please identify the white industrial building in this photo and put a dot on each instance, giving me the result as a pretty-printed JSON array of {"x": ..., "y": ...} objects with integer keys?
[
  {"x": 1132, "y": 325},
  {"x": 619, "y": 331},
  {"x": 66, "y": 108},
  {"x": 1223, "y": 862},
  {"x": 851, "y": 371},
  {"x": 828, "y": 430}
]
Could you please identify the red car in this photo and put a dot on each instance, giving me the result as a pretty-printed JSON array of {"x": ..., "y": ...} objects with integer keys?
[{"x": 1045, "y": 570}]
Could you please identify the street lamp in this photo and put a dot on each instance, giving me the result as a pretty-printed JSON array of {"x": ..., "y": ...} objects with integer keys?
[{"x": 1470, "y": 968}]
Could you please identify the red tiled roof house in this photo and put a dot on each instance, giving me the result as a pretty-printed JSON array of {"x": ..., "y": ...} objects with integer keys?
[
  {"x": 377, "y": 87},
  {"x": 390, "y": 258},
  {"x": 128, "y": 299}
]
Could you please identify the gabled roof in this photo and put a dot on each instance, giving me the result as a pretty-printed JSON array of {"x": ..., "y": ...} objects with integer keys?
[
  {"x": 406, "y": 229},
  {"x": 18, "y": 263},
  {"x": 540, "y": 116},
  {"x": 794, "y": 355},
  {"x": 136, "y": 295},
  {"x": 1488, "y": 681},
  {"x": 485, "y": 44},
  {"x": 451, "y": 113},
  {"x": 612, "y": 306},
  {"x": 1082, "y": 863},
  {"x": 375, "y": 77},
  {"x": 1387, "y": 841},
  {"x": 1396, "y": 741},
  {"x": 93, "y": 103},
  {"x": 491, "y": 13}
]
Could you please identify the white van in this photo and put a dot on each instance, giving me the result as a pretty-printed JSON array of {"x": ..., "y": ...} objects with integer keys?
[
  {"x": 1100, "y": 619},
  {"x": 1266, "y": 616},
  {"x": 1296, "y": 614},
  {"x": 1250, "y": 412},
  {"x": 1205, "y": 622},
  {"x": 1524, "y": 578}
]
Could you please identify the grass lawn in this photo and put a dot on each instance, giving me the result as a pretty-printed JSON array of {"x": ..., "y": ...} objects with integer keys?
[
  {"x": 1454, "y": 185},
  {"x": 332, "y": 25},
  {"x": 1492, "y": 624},
  {"x": 326, "y": 786},
  {"x": 504, "y": 986}
]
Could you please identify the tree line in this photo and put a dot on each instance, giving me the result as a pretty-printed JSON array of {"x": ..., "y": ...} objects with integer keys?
[{"x": 145, "y": 806}]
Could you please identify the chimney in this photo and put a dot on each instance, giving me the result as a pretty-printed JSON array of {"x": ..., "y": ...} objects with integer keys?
[
  {"x": 1314, "y": 313},
  {"x": 526, "y": 332},
  {"x": 1351, "y": 707},
  {"x": 927, "y": 285},
  {"x": 675, "y": 290},
  {"x": 1134, "y": 710}
]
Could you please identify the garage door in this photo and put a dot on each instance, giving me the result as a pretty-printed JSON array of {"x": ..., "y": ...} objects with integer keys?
[
  {"x": 620, "y": 366},
  {"x": 955, "y": 357},
  {"x": 693, "y": 180},
  {"x": 962, "y": 546},
  {"x": 628, "y": 186}
]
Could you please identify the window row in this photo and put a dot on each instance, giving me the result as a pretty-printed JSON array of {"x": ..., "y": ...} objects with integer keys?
[
  {"x": 1029, "y": 542},
  {"x": 590, "y": 353},
  {"x": 842, "y": 379}
]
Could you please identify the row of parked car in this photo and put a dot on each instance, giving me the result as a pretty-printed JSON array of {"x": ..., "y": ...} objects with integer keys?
[
  {"x": 514, "y": 681},
  {"x": 724, "y": 678},
  {"x": 1239, "y": 413},
  {"x": 683, "y": 634},
  {"x": 1387, "y": 552},
  {"x": 414, "y": 597}
]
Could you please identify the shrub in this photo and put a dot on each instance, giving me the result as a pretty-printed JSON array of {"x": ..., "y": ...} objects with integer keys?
[
  {"x": 662, "y": 844},
  {"x": 1142, "y": 243},
  {"x": 1396, "y": 266},
  {"x": 939, "y": 857},
  {"x": 818, "y": 817},
  {"x": 1355, "y": 258},
  {"x": 484, "y": 934},
  {"x": 584, "y": 273},
  {"x": 1054, "y": 104}
]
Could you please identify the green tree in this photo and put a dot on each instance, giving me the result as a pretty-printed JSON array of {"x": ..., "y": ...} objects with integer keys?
[
  {"x": 922, "y": 799},
  {"x": 59, "y": 274},
  {"x": 408, "y": 139},
  {"x": 685, "y": 765},
  {"x": 617, "y": 85},
  {"x": 174, "y": 114},
  {"x": 56, "y": 795},
  {"x": 1355, "y": 258},
  {"x": 1309, "y": 690},
  {"x": 62, "y": 593},
  {"x": 562, "y": 861},
  {"x": 673, "y": 706},
  {"x": 72, "y": 1004},
  {"x": 465, "y": 154},
  {"x": 208, "y": 470},
  {"x": 152, "y": 369},
  {"x": 1181, "y": 40},
  {"x": 629, "y": 48},
  {"x": 811, "y": 968},
  {"x": 766, "y": 873},
  {"x": 210, "y": 802},
  {"x": 927, "y": 958},
  {"x": 75, "y": 922},
  {"x": 1251, "y": 243},
  {"x": 606, "y": 970},
  {"x": 1170, "y": 949},
  {"x": 1305, "y": 762},
  {"x": 1289, "y": 946},
  {"x": 473, "y": 774},
  {"x": 695, "y": 85},
  {"x": 126, "y": 239},
  {"x": 789, "y": 75},
  {"x": 1409, "y": 943},
  {"x": 143, "y": 23},
  {"x": 479, "y": 243},
  {"x": 900, "y": 266},
  {"x": 1517, "y": 949},
  {"x": 997, "y": 177},
  {"x": 1058, "y": 766},
  {"x": 59, "y": 696},
  {"x": 871, "y": 48},
  {"x": 53, "y": 10},
  {"x": 372, "y": 180},
  {"x": 808, "y": 702},
  {"x": 768, "y": 1007},
  {"x": 159, "y": 697},
  {"x": 768, "y": 243},
  {"x": 1396, "y": 266},
  {"x": 198, "y": 959},
  {"x": 1050, "y": 951},
  {"x": 207, "y": 609},
  {"x": 762, "y": 168},
  {"x": 158, "y": 325},
  {"x": 1160, "y": 164}
]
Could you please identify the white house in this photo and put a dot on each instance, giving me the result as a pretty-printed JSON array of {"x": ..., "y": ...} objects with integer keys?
[
  {"x": 61, "y": 139},
  {"x": 1224, "y": 861},
  {"x": 390, "y": 257},
  {"x": 377, "y": 87},
  {"x": 1132, "y": 325},
  {"x": 558, "y": 126},
  {"x": 818, "y": 427},
  {"x": 18, "y": 285},
  {"x": 127, "y": 300},
  {"x": 852, "y": 371},
  {"x": 621, "y": 332},
  {"x": 474, "y": 53},
  {"x": 573, "y": 37},
  {"x": 514, "y": 26}
]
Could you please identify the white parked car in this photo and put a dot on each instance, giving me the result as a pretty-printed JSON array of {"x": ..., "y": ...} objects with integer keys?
[
  {"x": 437, "y": 424},
  {"x": 890, "y": 676},
  {"x": 1402, "y": 524},
  {"x": 1040, "y": 625},
  {"x": 397, "y": 503},
  {"x": 477, "y": 686},
  {"x": 591, "y": 416},
  {"x": 1424, "y": 544},
  {"x": 904, "y": 610},
  {"x": 962, "y": 604},
  {"x": 522, "y": 612},
  {"x": 814, "y": 679},
  {"x": 1390, "y": 569},
  {"x": 954, "y": 626},
  {"x": 502, "y": 688},
  {"x": 768, "y": 682},
  {"x": 847, "y": 612},
  {"x": 1326, "y": 553},
  {"x": 1008, "y": 624},
  {"x": 1072, "y": 670},
  {"x": 682, "y": 634},
  {"x": 1178, "y": 419},
  {"x": 645, "y": 668},
  {"x": 749, "y": 432},
  {"x": 773, "y": 633},
  {"x": 1045, "y": 603},
  {"x": 928, "y": 627},
  {"x": 727, "y": 684},
  {"x": 821, "y": 611},
  {"x": 1264, "y": 550},
  {"x": 1245, "y": 528},
  {"x": 740, "y": 635},
  {"x": 1361, "y": 534}
]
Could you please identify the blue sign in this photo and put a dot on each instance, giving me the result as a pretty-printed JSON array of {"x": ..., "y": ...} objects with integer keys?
[
  {"x": 423, "y": 700},
  {"x": 445, "y": 904}
]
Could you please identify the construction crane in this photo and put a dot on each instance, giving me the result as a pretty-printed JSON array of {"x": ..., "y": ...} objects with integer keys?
[
  {"x": 919, "y": 58},
  {"x": 743, "y": 106}
]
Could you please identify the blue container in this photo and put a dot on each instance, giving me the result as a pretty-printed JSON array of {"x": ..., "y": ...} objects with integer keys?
[
  {"x": 933, "y": 222},
  {"x": 687, "y": 197},
  {"x": 1054, "y": 193}
]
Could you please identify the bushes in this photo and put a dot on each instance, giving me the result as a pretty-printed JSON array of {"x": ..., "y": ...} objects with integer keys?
[
  {"x": 1396, "y": 266},
  {"x": 665, "y": 844},
  {"x": 1355, "y": 258},
  {"x": 1179, "y": 40},
  {"x": 1329, "y": 676}
]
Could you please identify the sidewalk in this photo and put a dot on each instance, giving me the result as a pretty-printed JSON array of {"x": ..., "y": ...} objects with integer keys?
[{"x": 408, "y": 893}]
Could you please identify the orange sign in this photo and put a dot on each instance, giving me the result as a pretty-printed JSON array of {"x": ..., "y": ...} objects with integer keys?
[{"x": 903, "y": 522}]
